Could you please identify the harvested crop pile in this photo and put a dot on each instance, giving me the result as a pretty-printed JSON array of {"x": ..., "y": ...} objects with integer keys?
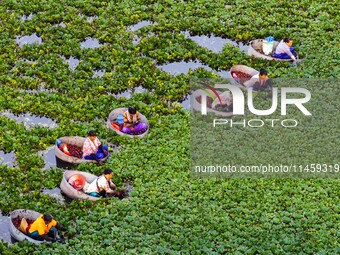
[
  {"x": 75, "y": 151},
  {"x": 17, "y": 220},
  {"x": 241, "y": 77}
]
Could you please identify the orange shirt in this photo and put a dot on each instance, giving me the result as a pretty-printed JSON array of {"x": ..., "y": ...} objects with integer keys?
[
  {"x": 40, "y": 226},
  {"x": 130, "y": 118}
]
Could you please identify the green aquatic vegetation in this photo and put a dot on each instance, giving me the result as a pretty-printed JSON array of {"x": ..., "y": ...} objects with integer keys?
[{"x": 169, "y": 211}]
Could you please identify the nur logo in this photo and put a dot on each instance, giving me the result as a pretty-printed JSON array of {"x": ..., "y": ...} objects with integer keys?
[{"x": 238, "y": 100}]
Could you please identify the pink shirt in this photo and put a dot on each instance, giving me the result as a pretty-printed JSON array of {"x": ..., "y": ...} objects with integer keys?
[{"x": 90, "y": 147}]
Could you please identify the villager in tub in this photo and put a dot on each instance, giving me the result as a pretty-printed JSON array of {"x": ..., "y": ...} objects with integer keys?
[
  {"x": 45, "y": 228},
  {"x": 132, "y": 122},
  {"x": 259, "y": 81},
  {"x": 102, "y": 185},
  {"x": 285, "y": 50},
  {"x": 93, "y": 149}
]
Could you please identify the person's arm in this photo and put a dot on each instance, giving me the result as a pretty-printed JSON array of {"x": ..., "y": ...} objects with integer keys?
[
  {"x": 112, "y": 185},
  {"x": 289, "y": 53},
  {"x": 48, "y": 238},
  {"x": 61, "y": 227},
  {"x": 278, "y": 49},
  {"x": 110, "y": 189},
  {"x": 138, "y": 117},
  {"x": 86, "y": 150},
  {"x": 98, "y": 141},
  {"x": 127, "y": 123},
  {"x": 102, "y": 148},
  {"x": 104, "y": 184},
  {"x": 269, "y": 83}
]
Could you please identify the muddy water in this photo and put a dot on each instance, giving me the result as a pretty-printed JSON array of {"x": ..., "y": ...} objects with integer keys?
[
  {"x": 61, "y": 24},
  {"x": 7, "y": 158},
  {"x": 130, "y": 92},
  {"x": 25, "y": 17},
  {"x": 56, "y": 194},
  {"x": 183, "y": 67},
  {"x": 98, "y": 73},
  {"x": 31, "y": 120},
  {"x": 49, "y": 158},
  {"x": 90, "y": 43},
  {"x": 28, "y": 39},
  {"x": 186, "y": 103},
  {"x": 140, "y": 24},
  {"x": 73, "y": 63},
  {"x": 114, "y": 147},
  {"x": 129, "y": 188},
  {"x": 214, "y": 43},
  {"x": 89, "y": 18},
  {"x": 211, "y": 42},
  {"x": 136, "y": 40},
  {"x": 4, "y": 229}
]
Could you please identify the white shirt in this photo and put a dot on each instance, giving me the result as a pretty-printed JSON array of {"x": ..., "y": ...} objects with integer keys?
[
  {"x": 103, "y": 184},
  {"x": 283, "y": 48},
  {"x": 252, "y": 80}
]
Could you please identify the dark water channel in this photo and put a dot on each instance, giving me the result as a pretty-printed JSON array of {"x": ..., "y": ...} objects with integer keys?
[
  {"x": 90, "y": 43},
  {"x": 214, "y": 43},
  {"x": 7, "y": 158},
  {"x": 183, "y": 67},
  {"x": 31, "y": 120},
  {"x": 49, "y": 158},
  {"x": 28, "y": 39},
  {"x": 4, "y": 229}
]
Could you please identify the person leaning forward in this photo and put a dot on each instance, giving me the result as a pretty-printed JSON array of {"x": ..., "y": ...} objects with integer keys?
[
  {"x": 259, "y": 81},
  {"x": 102, "y": 185},
  {"x": 45, "y": 228},
  {"x": 285, "y": 50}
]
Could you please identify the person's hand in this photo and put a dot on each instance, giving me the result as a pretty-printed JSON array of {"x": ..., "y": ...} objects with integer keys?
[
  {"x": 60, "y": 240},
  {"x": 105, "y": 152}
]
